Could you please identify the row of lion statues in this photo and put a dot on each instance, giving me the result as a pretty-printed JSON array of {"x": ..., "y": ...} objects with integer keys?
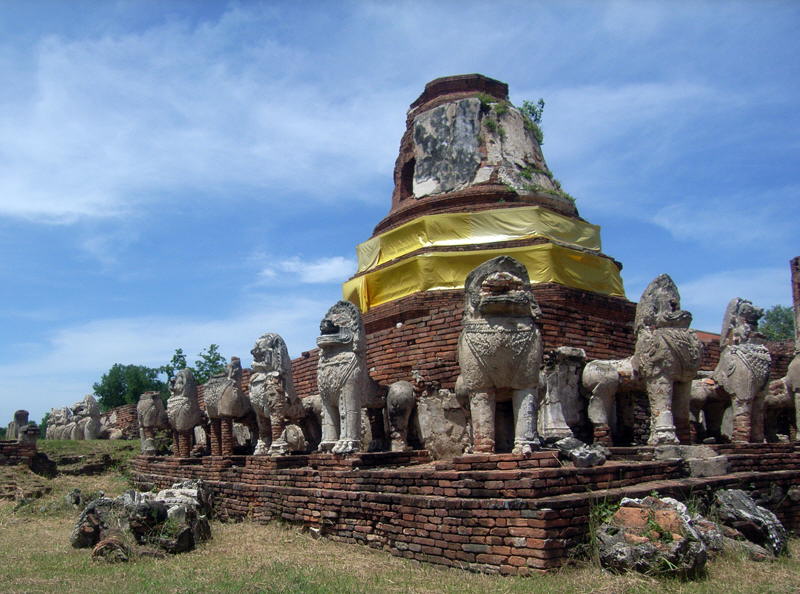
[{"x": 501, "y": 360}]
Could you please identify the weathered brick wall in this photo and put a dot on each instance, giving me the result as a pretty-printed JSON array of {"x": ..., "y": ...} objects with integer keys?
[
  {"x": 499, "y": 513},
  {"x": 782, "y": 352},
  {"x": 794, "y": 266},
  {"x": 420, "y": 333},
  {"x": 13, "y": 453},
  {"x": 244, "y": 384},
  {"x": 123, "y": 418}
]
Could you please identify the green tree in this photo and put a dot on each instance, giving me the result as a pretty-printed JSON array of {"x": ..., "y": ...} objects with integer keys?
[
  {"x": 123, "y": 384},
  {"x": 533, "y": 117},
  {"x": 778, "y": 323},
  {"x": 210, "y": 363},
  {"x": 43, "y": 425},
  {"x": 175, "y": 364}
]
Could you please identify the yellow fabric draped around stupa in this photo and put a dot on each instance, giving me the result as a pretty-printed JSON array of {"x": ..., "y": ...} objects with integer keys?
[
  {"x": 469, "y": 228},
  {"x": 438, "y": 270}
]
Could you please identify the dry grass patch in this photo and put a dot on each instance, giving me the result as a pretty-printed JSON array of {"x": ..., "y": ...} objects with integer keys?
[
  {"x": 35, "y": 556},
  {"x": 249, "y": 557}
]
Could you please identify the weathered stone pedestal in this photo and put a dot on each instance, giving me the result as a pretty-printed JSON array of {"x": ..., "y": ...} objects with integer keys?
[{"x": 497, "y": 513}]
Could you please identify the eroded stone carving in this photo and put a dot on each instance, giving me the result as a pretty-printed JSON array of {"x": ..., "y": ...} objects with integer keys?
[
  {"x": 400, "y": 402},
  {"x": 57, "y": 421},
  {"x": 152, "y": 416},
  {"x": 792, "y": 383},
  {"x": 225, "y": 401},
  {"x": 183, "y": 411},
  {"x": 341, "y": 377},
  {"x": 444, "y": 423},
  {"x": 468, "y": 141},
  {"x": 739, "y": 380},
  {"x": 665, "y": 360},
  {"x": 14, "y": 430},
  {"x": 500, "y": 352},
  {"x": 559, "y": 388},
  {"x": 272, "y": 395},
  {"x": 667, "y": 356},
  {"x": 85, "y": 423}
]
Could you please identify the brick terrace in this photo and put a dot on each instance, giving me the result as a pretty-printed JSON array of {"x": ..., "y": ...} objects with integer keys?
[
  {"x": 420, "y": 333},
  {"x": 492, "y": 513},
  {"x": 13, "y": 453}
]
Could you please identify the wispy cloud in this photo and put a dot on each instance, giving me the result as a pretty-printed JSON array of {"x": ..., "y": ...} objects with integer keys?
[
  {"x": 707, "y": 296},
  {"x": 62, "y": 368},
  {"x": 771, "y": 218},
  {"x": 101, "y": 126},
  {"x": 333, "y": 269}
]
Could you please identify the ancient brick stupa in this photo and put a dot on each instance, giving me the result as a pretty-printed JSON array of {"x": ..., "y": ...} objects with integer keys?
[{"x": 471, "y": 183}]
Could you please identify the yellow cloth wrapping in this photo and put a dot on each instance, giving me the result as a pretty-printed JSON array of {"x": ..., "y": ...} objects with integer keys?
[
  {"x": 546, "y": 263},
  {"x": 487, "y": 226}
]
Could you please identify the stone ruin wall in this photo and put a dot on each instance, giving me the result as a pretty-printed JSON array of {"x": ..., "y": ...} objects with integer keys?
[
  {"x": 795, "y": 268},
  {"x": 430, "y": 323},
  {"x": 14, "y": 453},
  {"x": 491, "y": 513},
  {"x": 122, "y": 418}
]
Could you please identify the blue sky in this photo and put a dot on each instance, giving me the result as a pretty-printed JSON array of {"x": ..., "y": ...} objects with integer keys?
[{"x": 175, "y": 174}]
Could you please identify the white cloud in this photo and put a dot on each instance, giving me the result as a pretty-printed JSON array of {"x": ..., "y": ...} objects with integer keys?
[
  {"x": 706, "y": 297},
  {"x": 63, "y": 368},
  {"x": 334, "y": 269},
  {"x": 635, "y": 21},
  {"x": 722, "y": 222},
  {"x": 581, "y": 120},
  {"x": 101, "y": 126},
  {"x": 322, "y": 270}
]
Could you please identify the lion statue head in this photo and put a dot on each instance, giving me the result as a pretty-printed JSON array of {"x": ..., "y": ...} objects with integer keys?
[
  {"x": 183, "y": 385},
  {"x": 87, "y": 407},
  {"x": 660, "y": 306},
  {"x": 342, "y": 328},
  {"x": 150, "y": 410},
  {"x": 740, "y": 323},
  {"x": 499, "y": 287}
]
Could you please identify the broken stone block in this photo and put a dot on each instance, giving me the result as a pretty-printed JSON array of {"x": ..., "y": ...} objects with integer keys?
[
  {"x": 701, "y": 460},
  {"x": 653, "y": 536},
  {"x": 111, "y": 550},
  {"x": 756, "y": 523},
  {"x": 582, "y": 455}
]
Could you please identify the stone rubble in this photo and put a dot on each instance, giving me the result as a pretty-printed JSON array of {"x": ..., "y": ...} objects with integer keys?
[{"x": 175, "y": 520}]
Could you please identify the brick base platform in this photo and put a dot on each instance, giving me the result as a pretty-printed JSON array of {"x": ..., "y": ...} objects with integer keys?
[
  {"x": 13, "y": 453},
  {"x": 491, "y": 513}
]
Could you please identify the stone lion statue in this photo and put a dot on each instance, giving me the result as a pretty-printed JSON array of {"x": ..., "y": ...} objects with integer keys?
[
  {"x": 500, "y": 352},
  {"x": 272, "y": 394},
  {"x": 58, "y": 419},
  {"x": 792, "y": 382},
  {"x": 225, "y": 401},
  {"x": 740, "y": 379},
  {"x": 342, "y": 378},
  {"x": 183, "y": 411},
  {"x": 85, "y": 422},
  {"x": 14, "y": 430},
  {"x": 152, "y": 416},
  {"x": 666, "y": 358}
]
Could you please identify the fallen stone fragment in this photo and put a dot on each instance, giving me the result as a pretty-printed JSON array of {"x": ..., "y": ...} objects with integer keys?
[
  {"x": 753, "y": 551},
  {"x": 175, "y": 519},
  {"x": 756, "y": 523},
  {"x": 580, "y": 454},
  {"x": 111, "y": 550},
  {"x": 652, "y": 536}
]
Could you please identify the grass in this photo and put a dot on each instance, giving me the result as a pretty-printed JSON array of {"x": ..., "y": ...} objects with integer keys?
[
  {"x": 35, "y": 556},
  {"x": 120, "y": 449}
]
